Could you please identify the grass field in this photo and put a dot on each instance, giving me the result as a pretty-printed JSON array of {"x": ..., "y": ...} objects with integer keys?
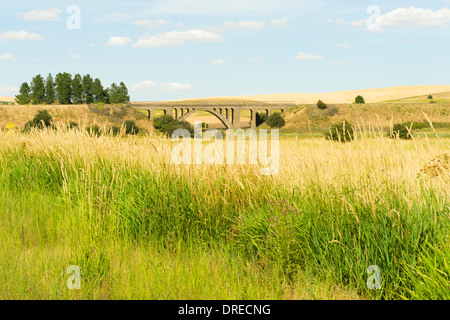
[{"x": 141, "y": 227}]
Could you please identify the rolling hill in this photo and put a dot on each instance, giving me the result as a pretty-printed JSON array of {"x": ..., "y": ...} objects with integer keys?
[{"x": 375, "y": 95}]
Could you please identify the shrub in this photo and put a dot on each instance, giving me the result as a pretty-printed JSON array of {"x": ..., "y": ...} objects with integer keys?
[
  {"x": 342, "y": 132},
  {"x": 180, "y": 125},
  {"x": 321, "y": 105},
  {"x": 163, "y": 122},
  {"x": 359, "y": 100},
  {"x": 276, "y": 120},
  {"x": 131, "y": 127},
  {"x": 167, "y": 124},
  {"x": 430, "y": 97},
  {"x": 402, "y": 131},
  {"x": 41, "y": 120},
  {"x": 260, "y": 118},
  {"x": 432, "y": 101}
]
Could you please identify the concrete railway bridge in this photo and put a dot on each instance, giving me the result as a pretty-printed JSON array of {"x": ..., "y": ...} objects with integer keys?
[{"x": 229, "y": 114}]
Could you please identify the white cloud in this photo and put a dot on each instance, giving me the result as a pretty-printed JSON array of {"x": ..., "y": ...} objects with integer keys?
[
  {"x": 176, "y": 38},
  {"x": 77, "y": 56},
  {"x": 175, "y": 86},
  {"x": 306, "y": 56},
  {"x": 143, "y": 85},
  {"x": 150, "y": 24},
  {"x": 41, "y": 15},
  {"x": 7, "y": 56},
  {"x": 218, "y": 61},
  {"x": 408, "y": 17},
  {"x": 256, "y": 59},
  {"x": 20, "y": 35},
  {"x": 118, "y": 41},
  {"x": 161, "y": 87},
  {"x": 244, "y": 25},
  {"x": 279, "y": 22},
  {"x": 414, "y": 17}
]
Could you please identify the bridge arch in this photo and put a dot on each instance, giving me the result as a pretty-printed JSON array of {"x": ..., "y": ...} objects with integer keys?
[{"x": 222, "y": 119}]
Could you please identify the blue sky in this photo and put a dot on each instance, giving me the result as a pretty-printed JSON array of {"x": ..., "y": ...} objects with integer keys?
[{"x": 173, "y": 49}]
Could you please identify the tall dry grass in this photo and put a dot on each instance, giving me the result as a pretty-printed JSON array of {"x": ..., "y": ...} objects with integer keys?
[{"x": 135, "y": 222}]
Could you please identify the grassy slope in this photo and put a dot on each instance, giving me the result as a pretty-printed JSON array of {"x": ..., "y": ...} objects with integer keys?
[
  {"x": 378, "y": 115},
  {"x": 443, "y": 97},
  {"x": 109, "y": 115}
]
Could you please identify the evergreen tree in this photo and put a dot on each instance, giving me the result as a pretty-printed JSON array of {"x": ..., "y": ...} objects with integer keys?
[
  {"x": 77, "y": 89},
  {"x": 123, "y": 93},
  {"x": 37, "y": 90},
  {"x": 24, "y": 94},
  {"x": 113, "y": 93},
  {"x": 100, "y": 94},
  {"x": 63, "y": 88},
  {"x": 87, "y": 85},
  {"x": 49, "y": 90}
]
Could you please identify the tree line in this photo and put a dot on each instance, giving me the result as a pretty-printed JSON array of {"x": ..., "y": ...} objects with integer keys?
[{"x": 65, "y": 89}]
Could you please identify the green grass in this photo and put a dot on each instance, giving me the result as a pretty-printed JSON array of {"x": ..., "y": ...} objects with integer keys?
[{"x": 147, "y": 231}]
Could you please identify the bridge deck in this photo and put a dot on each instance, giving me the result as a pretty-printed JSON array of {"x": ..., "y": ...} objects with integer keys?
[{"x": 224, "y": 104}]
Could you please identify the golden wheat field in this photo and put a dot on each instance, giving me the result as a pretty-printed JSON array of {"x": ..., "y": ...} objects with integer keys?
[{"x": 373, "y": 95}]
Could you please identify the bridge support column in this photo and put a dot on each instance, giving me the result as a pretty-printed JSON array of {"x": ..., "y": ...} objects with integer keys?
[
  {"x": 150, "y": 114},
  {"x": 268, "y": 113},
  {"x": 236, "y": 118},
  {"x": 253, "y": 119}
]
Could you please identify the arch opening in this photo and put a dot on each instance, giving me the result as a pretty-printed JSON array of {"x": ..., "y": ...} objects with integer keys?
[{"x": 220, "y": 117}]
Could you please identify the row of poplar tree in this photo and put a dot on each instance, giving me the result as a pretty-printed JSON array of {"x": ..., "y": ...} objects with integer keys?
[{"x": 67, "y": 90}]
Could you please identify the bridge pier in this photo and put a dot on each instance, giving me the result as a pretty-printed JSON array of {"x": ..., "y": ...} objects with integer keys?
[
  {"x": 236, "y": 120},
  {"x": 150, "y": 114},
  {"x": 253, "y": 119}
]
